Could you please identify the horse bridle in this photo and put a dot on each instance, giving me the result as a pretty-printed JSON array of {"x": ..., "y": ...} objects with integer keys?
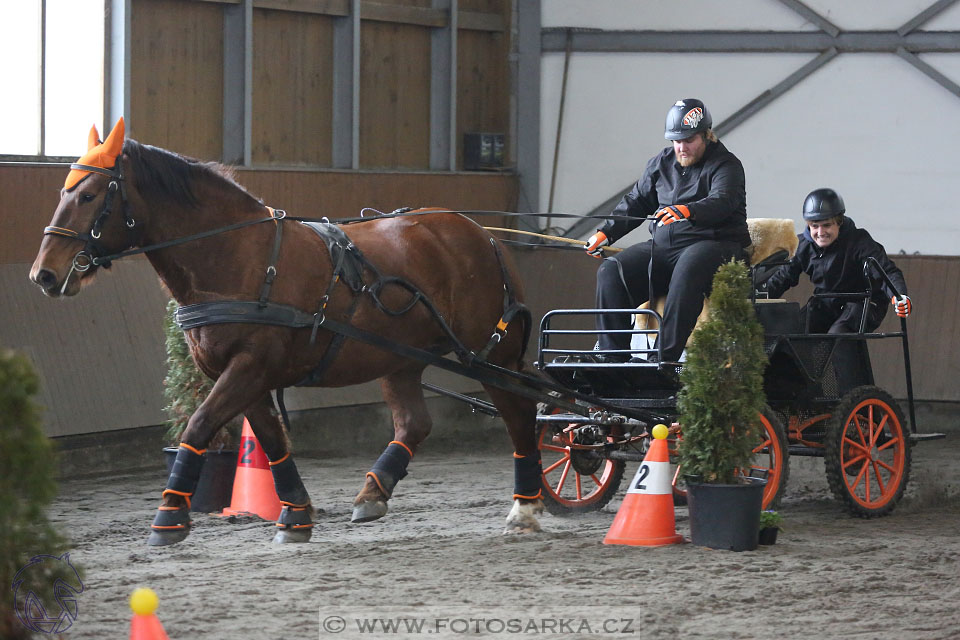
[{"x": 92, "y": 252}]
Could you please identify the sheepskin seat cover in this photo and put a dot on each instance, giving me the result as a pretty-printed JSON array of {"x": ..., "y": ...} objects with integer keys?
[{"x": 767, "y": 236}]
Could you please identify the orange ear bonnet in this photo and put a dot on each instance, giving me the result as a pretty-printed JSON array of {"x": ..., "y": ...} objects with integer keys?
[{"x": 99, "y": 154}]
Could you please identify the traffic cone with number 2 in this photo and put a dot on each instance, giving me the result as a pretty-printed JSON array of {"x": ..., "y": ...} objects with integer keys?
[
  {"x": 253, "y": 489},
  {"x": 646, "y": 516}
]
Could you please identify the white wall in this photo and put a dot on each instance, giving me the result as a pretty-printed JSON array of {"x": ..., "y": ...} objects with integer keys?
[{"x": 869, "y": 125}]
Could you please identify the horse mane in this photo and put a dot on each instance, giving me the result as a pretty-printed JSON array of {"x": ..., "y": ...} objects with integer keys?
[{"x": 169, "y": 175}]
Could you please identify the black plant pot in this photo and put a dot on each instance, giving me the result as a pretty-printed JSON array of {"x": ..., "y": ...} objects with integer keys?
[
  {"x": 725, "y": 516},
  {"x": 215, "y": 487},
  {"x": 768, "y": 535}
]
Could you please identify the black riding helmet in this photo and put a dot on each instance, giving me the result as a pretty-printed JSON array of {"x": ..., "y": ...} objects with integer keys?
[
  {"x": 822, "y": 204},
  {"x": 685, "y": 118}
]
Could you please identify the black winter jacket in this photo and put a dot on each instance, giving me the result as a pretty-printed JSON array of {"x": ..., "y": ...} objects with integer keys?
[
  {"x": 713, "y": 189},
  {"x": 839, "y": 267}
]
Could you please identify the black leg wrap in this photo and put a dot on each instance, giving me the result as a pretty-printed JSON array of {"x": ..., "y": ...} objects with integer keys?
[
  {"x": 170, "y": 526},
  {"x": 186, "y": 472},
  {"x": 391, "y": 467},
  {"x": 289, "y": 486},
  {"x": 526, "y": 476},
  {"x": 294, "y": 518},
  {"x": 171, "y": 519}
]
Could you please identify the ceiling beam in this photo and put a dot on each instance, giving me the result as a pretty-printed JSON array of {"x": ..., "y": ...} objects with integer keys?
[
  {"x": 822, "y": 23},
  {"x": 924, "y": 16},
  {"x": 599, "y": 41}
]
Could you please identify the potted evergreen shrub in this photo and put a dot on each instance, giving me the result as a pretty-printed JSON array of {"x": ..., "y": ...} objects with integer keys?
[
  {"x": 769, "y": 526},
  {"x": 719, "y": 406},
  {"x": 185, "y": 387}
]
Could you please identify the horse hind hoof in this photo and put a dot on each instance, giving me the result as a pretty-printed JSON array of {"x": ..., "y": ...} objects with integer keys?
[
  {"x": 523, "y": 518},
  {"x": 367, "y": 511},
  {"x": 521, "y": 528}
]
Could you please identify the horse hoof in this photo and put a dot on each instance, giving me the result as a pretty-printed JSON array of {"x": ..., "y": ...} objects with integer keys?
[
  {"x": 519, "y": 530},
  {"x": 367, "y": 511},
  {"x": 285, "y": 536},
  {"x": 164, "y": 538},
  {"x": 170, "y": 526},
  {"x": 523, "y": 517}
]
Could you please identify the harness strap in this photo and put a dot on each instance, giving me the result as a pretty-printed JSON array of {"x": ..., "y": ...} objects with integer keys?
[
  {"x": 511, "y": 308},
  {"x": 278, "y": 215}
]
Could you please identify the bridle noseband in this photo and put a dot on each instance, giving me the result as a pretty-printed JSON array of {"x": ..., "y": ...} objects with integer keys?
[{"x": 93, "y": 251}]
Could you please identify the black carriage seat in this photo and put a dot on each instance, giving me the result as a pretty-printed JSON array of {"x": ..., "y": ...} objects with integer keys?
[{"x": 614, "y": 379}]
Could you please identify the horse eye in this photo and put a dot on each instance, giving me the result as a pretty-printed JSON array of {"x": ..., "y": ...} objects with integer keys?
[{"x": 86, "y": 197}]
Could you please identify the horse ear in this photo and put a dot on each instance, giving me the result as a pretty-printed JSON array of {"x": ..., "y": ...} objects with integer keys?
[
  {"x": 113, "y": 145},
  {"x": 93, "y": 139}
]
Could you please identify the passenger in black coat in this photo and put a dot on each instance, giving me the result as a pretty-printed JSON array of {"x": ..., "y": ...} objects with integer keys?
[{"x": 832, "y": 251}]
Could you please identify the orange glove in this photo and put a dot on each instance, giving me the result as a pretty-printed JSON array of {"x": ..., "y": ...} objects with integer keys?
[
  {"x": 672, "y": 213},
  {"x": 902, "y": 305},
  {"x": 596, "y": 243}
]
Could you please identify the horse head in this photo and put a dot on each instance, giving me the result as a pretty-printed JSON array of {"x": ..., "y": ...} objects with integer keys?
[{"x": 83, "y": 231}]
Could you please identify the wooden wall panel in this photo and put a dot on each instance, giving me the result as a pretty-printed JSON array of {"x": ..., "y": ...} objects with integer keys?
[
  {"x": 176, "y": 86},
  {"x": 394, "y": 96},
  {"x": 292, "y": 88},
  {"x": 30, "y": 196},
  {"x": 100, "y": 356},
  {"x": 483, "y": 85},
  {"x": 343, "y": 194}
]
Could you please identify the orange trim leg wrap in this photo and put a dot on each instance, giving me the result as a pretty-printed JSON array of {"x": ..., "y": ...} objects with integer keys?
[
  {"x": 527, "y": 477},
  {"x": 391, "y": 467}
]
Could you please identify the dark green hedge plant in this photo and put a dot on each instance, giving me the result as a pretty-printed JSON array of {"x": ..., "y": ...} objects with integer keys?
[
  {"x": 27, "y": 487},
  {"x": 722, "y": 383}
]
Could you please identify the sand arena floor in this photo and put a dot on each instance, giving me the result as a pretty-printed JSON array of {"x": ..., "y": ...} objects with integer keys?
[{"x": 439, "y": 556}]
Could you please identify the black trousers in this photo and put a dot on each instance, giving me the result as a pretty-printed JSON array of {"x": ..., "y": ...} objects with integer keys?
[
  {"x": 828, "y": 316},
  {"x": 849, "y": 356},
  {"x": 685, "y": 274}
]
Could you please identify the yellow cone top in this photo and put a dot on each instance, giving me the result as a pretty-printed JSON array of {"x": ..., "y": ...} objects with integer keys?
[
  {"x": 660, "y": 431},
  {"x": 143, "y": 601}
]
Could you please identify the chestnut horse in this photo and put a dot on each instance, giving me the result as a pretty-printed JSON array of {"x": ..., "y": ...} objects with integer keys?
[{"x": 443, "y": 269}]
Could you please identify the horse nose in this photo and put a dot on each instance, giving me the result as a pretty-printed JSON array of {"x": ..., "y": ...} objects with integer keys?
[{"x": 46, "y": 279}]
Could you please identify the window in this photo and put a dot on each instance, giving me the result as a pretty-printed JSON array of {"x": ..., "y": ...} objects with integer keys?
[{"x": 53, "y": 76}]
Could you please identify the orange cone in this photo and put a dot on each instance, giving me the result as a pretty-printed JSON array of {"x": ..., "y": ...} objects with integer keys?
[
  {"x": 253, "y": 488},
  {"x": 646, "y": 516},
  {"x": 145, "y": 625}
]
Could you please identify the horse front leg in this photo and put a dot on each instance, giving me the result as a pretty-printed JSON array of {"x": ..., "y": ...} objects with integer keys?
[
  {"x": 228, "y": 398},
  {"x": 520, "y": 416},
  {"x": 411, "y": 425},
  {"x": 295, "y": 523}
]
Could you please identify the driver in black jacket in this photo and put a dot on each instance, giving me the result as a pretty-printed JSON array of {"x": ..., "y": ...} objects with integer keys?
[
  {"x": 832, "y": 251},
  {"x": 695, "y": 192}
]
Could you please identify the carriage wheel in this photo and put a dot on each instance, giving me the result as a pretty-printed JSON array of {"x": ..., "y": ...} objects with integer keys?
[
  {"x": 771, "y": 457},
  {"x": 575, "y": 480},
  {"x": 770, "y": 460},
  {"x": 867, "y": 453}
]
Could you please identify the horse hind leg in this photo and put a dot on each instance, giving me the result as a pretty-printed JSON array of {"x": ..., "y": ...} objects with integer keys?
[
  {"x": 295, "y": 523},
  {"x": 520, "y": 416},
  {"x": 411, "y": 425}
]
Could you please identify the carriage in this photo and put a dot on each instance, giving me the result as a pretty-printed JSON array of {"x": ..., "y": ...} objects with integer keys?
[{"x": 812, "y": 409}]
